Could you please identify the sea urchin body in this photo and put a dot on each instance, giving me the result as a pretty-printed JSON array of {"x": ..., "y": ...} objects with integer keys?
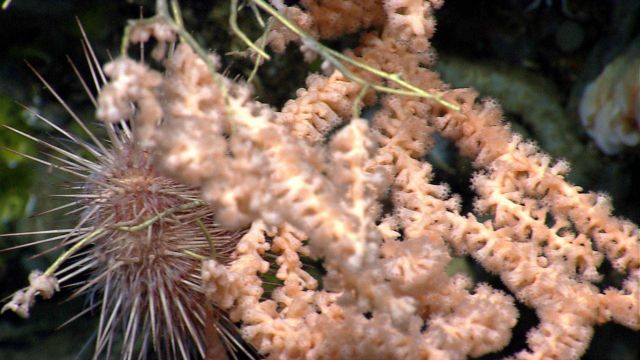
[
  {"x": 141, "y": 238},
  {"x": 147, "y": 264}
]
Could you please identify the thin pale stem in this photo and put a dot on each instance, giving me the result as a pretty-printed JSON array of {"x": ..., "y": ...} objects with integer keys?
[
  {"x": 256, "y": 13},
  {"x": 162, "y": 7},
  {"x": 72, "y": 250},
  {"x": 150, "y": 221},
  {"x": 233, "y": 22},
  {"x": 336, "y": 58},
  {"x": 212, "y": 246},
  {"x": 263, "y": 44},
  {"x": 194, "y": 255},
  {"x": 357, "y": 103}
]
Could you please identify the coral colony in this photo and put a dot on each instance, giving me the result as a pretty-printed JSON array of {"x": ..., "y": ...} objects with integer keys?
[{"x": 203, "y": 190}]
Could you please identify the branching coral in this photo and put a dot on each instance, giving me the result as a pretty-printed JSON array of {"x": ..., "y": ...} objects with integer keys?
[
  {"x": 316, "y": 180},
  {"x": 386, "y": 293}
]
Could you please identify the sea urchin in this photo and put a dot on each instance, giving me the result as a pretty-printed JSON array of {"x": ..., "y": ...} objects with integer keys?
[{"x": 141, "y": 239}]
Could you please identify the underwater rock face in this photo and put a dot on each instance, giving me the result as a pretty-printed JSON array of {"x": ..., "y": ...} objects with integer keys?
[{"x": 610, "y": 105}]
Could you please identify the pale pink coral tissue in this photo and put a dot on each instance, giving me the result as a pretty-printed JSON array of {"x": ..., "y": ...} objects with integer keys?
[{"x": 306, "y": 189}]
